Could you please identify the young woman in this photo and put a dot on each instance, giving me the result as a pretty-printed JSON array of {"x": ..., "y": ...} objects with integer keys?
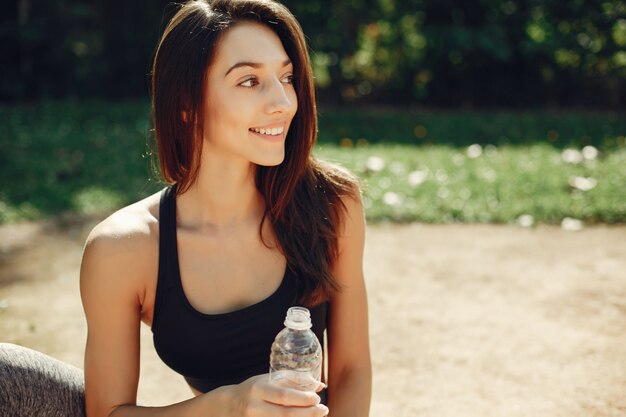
[{"x": 251, "y": 225}]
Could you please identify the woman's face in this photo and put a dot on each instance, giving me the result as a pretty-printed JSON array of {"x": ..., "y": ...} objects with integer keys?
[{"x": 249, "y": 97}]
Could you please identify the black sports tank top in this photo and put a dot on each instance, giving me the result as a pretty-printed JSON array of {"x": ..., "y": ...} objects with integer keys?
[{"x": 212, "y": 350}]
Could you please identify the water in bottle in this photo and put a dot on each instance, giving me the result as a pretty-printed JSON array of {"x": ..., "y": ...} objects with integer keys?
[{"x": 296, "y": 358}]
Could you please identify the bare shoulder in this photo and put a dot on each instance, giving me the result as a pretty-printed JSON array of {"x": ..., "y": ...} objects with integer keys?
[
  {"x": 124, "y": 246},
  {"x": 348, "y": 266},
  {"x": 352, "y": 228},
  {"x": 353, "y": 219},
  {"x": 129, "y": 228}
]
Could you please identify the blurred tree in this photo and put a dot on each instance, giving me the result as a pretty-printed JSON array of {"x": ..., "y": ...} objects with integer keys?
[
  {"x": 487, "y": 52},
  {"x": 519, "y": 53},
  {"x": 77, "y": 48}
]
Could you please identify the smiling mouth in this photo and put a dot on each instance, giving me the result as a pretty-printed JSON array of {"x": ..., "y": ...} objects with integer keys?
[{"x": 274, "y": 131}]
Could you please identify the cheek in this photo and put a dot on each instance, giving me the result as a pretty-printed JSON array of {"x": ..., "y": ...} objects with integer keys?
[{"x": 226, "y": 111}]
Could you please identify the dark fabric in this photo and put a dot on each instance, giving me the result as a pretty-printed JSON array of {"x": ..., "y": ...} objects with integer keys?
[
  {"x": 212, "y": 350},
  {"x": 36, "y": 385}
]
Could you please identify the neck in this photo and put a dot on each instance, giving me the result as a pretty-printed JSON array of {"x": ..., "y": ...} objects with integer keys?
[{"x": 223, "y": 196}]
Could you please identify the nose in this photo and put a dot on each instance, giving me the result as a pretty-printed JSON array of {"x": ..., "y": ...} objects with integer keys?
[{"x": 278, "y": 97}]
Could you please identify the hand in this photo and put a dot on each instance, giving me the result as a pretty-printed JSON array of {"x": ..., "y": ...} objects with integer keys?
[{"x": 258, "y": 397}]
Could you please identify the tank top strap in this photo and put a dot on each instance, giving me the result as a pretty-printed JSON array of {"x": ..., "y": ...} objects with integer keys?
[{"x": 168, "y": 252}]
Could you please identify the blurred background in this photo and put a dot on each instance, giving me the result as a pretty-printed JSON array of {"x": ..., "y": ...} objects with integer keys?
[{"x": 471, "y": 111}]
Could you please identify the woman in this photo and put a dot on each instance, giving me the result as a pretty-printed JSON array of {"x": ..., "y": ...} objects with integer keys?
[{"x": 251, "y": 225}]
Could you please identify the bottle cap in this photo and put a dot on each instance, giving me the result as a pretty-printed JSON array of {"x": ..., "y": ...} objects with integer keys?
[{"x": 298, "y": 318}]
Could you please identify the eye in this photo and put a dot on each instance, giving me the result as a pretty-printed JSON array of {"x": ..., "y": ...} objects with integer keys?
[
  {"x": 249, "y": 83},
  {"x": 287, "y": 79}
]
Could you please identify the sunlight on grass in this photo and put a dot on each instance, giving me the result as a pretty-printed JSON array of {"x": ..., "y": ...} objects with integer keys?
[{"x": 509, "y": 184}]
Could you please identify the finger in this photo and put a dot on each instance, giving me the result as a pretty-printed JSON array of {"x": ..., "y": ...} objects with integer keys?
[
  {"x": 268, "y": 409},
  {"x": 321, "y": 408},
  {"x": 276, "y": 394},
  {"x": 320, "y": 387}
]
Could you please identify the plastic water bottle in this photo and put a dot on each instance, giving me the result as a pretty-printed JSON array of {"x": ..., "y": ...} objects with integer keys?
[{"x": 296, "y": 358}]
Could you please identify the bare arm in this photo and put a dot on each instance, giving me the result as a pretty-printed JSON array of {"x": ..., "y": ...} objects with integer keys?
[
  {"x": 118, "y": 258},
  {"x": 112, "y": 270},
  {"x": 349, "y": 366}
]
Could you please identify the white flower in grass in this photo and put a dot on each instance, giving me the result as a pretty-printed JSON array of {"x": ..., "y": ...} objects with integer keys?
[
  {"x": 392, "y": 199},
  {"x": 590, "y": 153},
  {"x": 526, "y": 220},
  {"x": 572, "y": 156},
  {"x": 4, "y": 304},
  {"x": 375, "y": 163},
  {"x": 582, "y": 183},
  {"x": 572, "y": 225},
  {"x": 474, "y": 151},
  {"x": 417, "y": 178}
]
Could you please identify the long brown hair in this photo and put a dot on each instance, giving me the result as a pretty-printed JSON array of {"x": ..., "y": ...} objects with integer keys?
[{"x": 303, "y": 195}]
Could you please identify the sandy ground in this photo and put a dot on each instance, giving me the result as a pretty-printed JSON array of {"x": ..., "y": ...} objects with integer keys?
[{"x": 465, "y": 320}]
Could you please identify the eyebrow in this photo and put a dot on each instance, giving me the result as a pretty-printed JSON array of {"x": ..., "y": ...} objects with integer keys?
[{"x": 252, "y": 64}]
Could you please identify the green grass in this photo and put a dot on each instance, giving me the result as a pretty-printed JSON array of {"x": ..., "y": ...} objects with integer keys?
[
  {"x": 68, "y": 156},
  {"x": 498, "y": 186},
  {"x": 92, "y": 157}
]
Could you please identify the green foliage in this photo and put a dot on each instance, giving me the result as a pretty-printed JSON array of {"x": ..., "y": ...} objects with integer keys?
[
  {"x": 92, "y": 157},
  {"x": 479, "y": 53}
]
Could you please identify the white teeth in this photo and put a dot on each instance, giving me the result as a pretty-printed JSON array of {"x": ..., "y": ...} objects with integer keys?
[{"x": 273, "y": 131}]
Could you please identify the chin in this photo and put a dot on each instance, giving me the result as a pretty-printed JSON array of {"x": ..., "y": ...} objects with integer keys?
[{"x": 271, "y": 161}]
